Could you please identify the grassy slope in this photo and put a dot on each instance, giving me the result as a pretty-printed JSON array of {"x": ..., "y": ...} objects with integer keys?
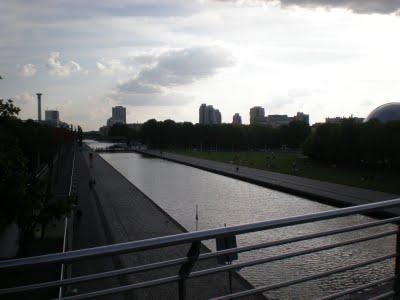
[{"x": 283, "y": 163}]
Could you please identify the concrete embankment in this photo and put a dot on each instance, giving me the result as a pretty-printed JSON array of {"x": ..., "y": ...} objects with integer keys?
[
  {"x": 127, "y": 215},
  {"x": 330, "y": 193}
]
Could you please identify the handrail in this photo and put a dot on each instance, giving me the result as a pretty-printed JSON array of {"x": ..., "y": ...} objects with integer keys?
[
  {"x": 196, "y": 237},
  {"x": 189, "y": 237},
  {"x": 66, "y": 224},
  {"x": 179, "y": 261}
]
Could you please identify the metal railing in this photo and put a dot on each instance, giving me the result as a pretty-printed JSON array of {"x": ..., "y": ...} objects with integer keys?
[
  {"x": 194, "y": 256},
  {"x": 68, "y": 224}
]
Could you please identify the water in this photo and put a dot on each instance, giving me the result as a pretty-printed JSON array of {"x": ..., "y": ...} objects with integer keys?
[{"x": 223, "y": 200}]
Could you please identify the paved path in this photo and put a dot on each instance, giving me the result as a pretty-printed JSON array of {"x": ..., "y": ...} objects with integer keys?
[
  {"x": 90, "y": 230},
  {"x": 130, "y": 215},
  {"x": 331, "y": 193}
]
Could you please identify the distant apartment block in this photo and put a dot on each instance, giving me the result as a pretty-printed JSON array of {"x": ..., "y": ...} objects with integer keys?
[
  {"x": 52, "y": 117},
  {"x": 302, "y": 117},
  {"x": 237, "y": 119},
  {"x": 118, "y": 116},
  {"x": 257, "y": 116},
  {"x": 209, "y": 115}
]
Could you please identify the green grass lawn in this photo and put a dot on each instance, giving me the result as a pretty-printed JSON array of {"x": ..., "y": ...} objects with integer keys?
[{"x": 299, "y": 165}]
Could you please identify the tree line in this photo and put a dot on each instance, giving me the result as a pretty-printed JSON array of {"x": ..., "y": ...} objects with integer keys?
[
  {"x": 372, "y": 144},
  {"x": 349, "y": 143},
  {"x": 26, "y": 147}
]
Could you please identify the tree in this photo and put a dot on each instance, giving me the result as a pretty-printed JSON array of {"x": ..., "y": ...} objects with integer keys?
[{"x": 8, "y": 109}]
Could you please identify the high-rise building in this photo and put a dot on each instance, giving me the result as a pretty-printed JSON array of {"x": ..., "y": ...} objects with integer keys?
[
  {"x": 209, "y": 115},
  {"x": 257, "y": 115},
  {"x": 278, "y": 120},
  {"x": 237, "y": 119},
  {"x": 119, "y": 113},
  {"x": 217, "y": 117},
  {"x": 202, "y": 114},
  {"x": 118, "y": 116},
  {"x": 52, "y": 116},
  {"x": 302, "y": 117}
]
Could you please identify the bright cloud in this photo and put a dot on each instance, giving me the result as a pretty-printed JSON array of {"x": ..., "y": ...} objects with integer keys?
[
  {"x": 151, "y": 55},
  {"x": 112, "y": 66},
  {"x": 28, "y": 70},
  {"x": 57, "y": 68},
  {"x": 24, "y": 98}
]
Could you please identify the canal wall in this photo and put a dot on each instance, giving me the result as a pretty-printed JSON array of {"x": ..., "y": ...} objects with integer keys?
[
  {"x": 129, "y": 215},
  {"x": 326, "y": 192}
]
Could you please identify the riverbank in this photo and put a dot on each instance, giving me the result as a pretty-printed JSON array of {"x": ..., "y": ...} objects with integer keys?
[
  {"x": 330, "y": 193},
  {"x": 130, "y": 215},
  {"x": 295, "y": 163}
]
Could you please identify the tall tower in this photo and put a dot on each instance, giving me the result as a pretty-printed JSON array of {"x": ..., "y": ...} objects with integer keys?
[{"x": 39, "y": 106}]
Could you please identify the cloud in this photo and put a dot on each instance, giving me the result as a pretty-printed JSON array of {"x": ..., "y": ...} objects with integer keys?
[
  {"x": 56, "y": 67},
  {"x": 156, "y": 99},
  {"x": 154, "y": 83},
  {"x": 112, "y": 66},
  {"x": 178, "y": 67},
  {"x": 27, "y": 70},
  {"x": 357, "y": 6},
  {"x": 24, "y": 98}
]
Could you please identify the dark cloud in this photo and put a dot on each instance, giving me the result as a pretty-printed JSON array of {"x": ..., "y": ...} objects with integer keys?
[
  {"x": 357, "y": 6},
  {"x": 157, "y": 99},
  {"x": 178, "y": 67},
  {"x": 172, "y": 68},
  {"x": 70, "y": 9}
]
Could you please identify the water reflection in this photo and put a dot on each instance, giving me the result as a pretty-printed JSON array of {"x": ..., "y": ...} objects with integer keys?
[{"x": 178, "y": 189}]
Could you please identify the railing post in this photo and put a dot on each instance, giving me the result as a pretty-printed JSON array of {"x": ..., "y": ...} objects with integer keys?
[
  {"x": 397, "y": 266},
  {"x": 187, "y": 267}
]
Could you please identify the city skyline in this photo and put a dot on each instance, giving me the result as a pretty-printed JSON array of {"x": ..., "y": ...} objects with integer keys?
[{"x": 287, "y": 58}]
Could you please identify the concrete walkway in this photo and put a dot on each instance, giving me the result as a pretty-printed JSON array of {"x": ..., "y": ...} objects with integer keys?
[
  {"x": 331, "y": 193},
  {"x": 91, "y": 230},
  {"x": 126, "y": 214}
]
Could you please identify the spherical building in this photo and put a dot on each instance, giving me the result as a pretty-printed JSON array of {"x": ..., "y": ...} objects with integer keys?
[{"x": 385, "y": 113}]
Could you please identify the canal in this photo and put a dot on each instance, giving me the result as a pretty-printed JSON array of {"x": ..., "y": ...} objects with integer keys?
[{"x": 221, "y": 200}]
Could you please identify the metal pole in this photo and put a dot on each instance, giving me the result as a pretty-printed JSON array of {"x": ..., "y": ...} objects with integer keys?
[
  {"x": 197, "y": 218},
  {"x": 182, "y": 289},
  {"x": 397, "y": 267}
]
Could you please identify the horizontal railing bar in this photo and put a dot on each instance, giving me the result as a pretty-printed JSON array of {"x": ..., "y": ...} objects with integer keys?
[
  {"x": 168, "y": 263},
  {"x": 96, "y": 276},
  {"x": 357, "y": 289},
  {"x": 189, "y": 237},
  {"x": 303, "y": 279},
  {"x": 287, "y": 255},
  {"x": 298, "y": 238},
  {"x": 383, "y": 296},
  {"x": 218, "y": 269},
  {"x": 124, "y": 288}
]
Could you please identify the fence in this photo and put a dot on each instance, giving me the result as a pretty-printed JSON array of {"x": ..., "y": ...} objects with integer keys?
[{"x": 195, "y": 238}]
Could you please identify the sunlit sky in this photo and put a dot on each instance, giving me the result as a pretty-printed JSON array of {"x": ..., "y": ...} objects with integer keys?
[{"x": 162, "y": 59}]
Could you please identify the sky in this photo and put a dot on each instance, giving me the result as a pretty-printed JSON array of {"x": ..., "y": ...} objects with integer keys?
[{"x": 162, "y": 59}]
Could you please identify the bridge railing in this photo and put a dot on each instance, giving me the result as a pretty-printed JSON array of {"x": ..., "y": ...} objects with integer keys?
[{"x": 194, "y": 256}]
